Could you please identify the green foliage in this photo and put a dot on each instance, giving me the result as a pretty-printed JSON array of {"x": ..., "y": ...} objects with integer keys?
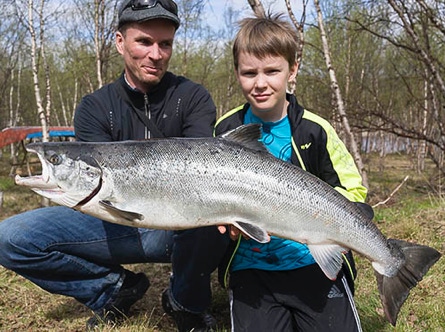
[{"x": 6, "y": 183}]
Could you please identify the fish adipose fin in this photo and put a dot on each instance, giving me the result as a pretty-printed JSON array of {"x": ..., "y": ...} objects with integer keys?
[
  {"x": 366, "y": 209},
  {"x": 128, "y": 215},
  {"x": 329, "y": 257},
  {"x": 253, "y": 231},
  {"x": 395, "y": 290},
  {"x": 246, "y": 135}
]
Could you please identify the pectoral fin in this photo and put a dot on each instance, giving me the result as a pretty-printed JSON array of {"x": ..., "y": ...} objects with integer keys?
[
  {"x": 128, "y": 215},
  {"x": 253, "y": 231},
  {"x": 329, "y": 258}
]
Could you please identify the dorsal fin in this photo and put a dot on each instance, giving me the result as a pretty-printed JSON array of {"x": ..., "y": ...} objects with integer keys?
[
  {"x": 366, "y": 209},
  {"x": 248, "y": 135}
]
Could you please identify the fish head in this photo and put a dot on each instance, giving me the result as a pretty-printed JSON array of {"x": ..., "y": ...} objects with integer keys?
[{"x": 70, "y": 176}]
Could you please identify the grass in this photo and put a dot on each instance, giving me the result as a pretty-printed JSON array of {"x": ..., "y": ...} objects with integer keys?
[
  {"x": 415, "y": 213},
  {"x": 423, "y": 310}
]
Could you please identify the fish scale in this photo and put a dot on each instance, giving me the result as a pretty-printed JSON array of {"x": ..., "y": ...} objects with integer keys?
[{"x": 193, "y": 182}]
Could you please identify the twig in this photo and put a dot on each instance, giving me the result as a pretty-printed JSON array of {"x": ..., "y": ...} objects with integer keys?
[{"x": 392, "y": 194}]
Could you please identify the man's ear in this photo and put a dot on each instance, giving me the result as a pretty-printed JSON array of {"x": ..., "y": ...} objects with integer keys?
[{"x": 119, "y": 40}]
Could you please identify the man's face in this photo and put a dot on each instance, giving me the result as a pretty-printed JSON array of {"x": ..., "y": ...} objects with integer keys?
[{"x": 146, "y": 48}]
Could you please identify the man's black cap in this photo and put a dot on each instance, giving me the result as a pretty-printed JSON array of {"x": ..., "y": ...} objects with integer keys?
[{"x": 144, "y": 10}]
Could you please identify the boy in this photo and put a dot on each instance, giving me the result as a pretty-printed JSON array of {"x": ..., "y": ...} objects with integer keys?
[{"x": 277, "y": 286}]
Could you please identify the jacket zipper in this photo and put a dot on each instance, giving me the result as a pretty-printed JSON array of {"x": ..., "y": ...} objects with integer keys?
[{"x": 148, "y": 115}]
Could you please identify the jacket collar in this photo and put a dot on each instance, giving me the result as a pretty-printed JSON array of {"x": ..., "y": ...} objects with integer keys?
[{"x": 157, "y": 92}]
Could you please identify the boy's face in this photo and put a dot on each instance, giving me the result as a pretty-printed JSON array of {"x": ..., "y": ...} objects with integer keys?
[{"x": 264, "y": 83}]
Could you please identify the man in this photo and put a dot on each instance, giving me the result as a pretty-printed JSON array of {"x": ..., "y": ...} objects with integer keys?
[
  {"x": 66, "y": 252},
  {"x": 277, "y": 286}
]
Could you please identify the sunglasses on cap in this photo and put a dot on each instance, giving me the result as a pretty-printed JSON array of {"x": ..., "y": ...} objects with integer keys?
[{"x": 145, "y": 4}]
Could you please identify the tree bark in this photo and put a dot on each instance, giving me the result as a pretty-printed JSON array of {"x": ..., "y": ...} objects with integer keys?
[
  {"x": 35, "y": 71},
  {"x": 98, "y": 26},
  {"x": 300, "y": 30},
  {"x": 352, "y": 144},
  {"x": 35, "y": 74},
  {"x": 257, "y": 7}
]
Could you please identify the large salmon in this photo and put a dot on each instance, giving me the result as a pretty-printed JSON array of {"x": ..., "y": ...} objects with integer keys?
[{"x": 182, "y": 183}]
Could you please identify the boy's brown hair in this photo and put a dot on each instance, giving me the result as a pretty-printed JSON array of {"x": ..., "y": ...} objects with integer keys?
[{"x": 263, "y": 36}]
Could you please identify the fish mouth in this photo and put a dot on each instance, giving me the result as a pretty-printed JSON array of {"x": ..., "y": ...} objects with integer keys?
[
  {"x": 42, "y": 183},
  {"x": 39, "y": 185}
]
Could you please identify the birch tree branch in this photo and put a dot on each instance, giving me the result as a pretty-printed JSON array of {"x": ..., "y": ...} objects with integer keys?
[{"x": 393, "y": 193}]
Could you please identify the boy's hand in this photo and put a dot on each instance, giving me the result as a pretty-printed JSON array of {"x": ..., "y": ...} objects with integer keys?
[{"x": 233, "y": 232}]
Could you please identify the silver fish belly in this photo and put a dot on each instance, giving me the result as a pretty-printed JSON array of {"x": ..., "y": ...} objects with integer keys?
[{"x": 231, "y": 179}]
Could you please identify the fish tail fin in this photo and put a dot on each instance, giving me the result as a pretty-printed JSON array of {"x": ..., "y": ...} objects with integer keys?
[{"x": 394, "y": 290}]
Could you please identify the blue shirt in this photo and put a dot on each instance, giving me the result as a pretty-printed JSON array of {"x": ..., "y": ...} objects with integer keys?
[{"x": 278, "y": 254}]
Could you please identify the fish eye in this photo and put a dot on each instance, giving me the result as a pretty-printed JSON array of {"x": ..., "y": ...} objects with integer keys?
[{"x": 55, "y": 159}]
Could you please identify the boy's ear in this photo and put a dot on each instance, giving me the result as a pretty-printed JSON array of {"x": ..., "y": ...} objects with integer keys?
[
  {"x": 236, "y": 74},
  {"x": 293, "y": 71}
]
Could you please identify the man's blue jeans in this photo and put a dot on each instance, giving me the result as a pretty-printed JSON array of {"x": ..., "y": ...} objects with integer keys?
[{"x": 67, "y": 252}]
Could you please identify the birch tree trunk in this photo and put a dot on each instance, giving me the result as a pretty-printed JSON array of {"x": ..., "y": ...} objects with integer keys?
[
  {"x": 257, "y": 7},
  {"x": 42, "y": 114},
  {"x": 299, "y": 25},
  {"x": 14, "y": 107},
  {"x": 300, "y": 30},
  {"x": 98, "y": 38},
  {"x": 421, "y": 150},
  {"x": 45, "y": 66},
  {"x": 352, "y": 144},
  {"x": 35, "y": 71}
]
